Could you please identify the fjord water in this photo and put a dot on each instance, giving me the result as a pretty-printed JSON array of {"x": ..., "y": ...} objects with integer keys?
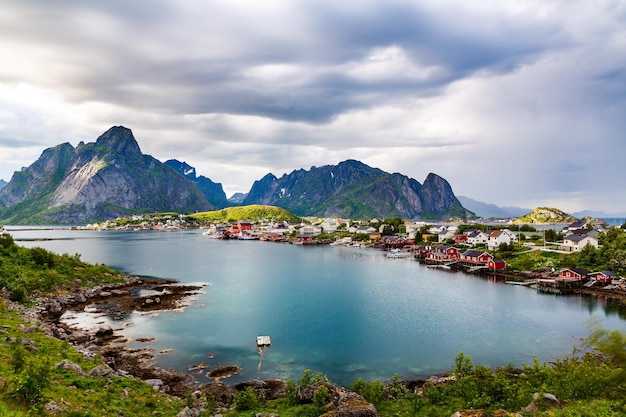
[{"x": 344, "y": 312}]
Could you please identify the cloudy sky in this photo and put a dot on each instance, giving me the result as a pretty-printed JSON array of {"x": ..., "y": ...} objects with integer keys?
[{"x": 514, "y": 102}]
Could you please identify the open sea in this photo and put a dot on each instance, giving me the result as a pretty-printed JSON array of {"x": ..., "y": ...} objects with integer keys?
[{"x": 342, "y": 311}]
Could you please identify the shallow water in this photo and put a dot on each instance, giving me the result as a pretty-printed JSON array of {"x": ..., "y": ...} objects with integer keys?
[{"x": 345, "y": 312}]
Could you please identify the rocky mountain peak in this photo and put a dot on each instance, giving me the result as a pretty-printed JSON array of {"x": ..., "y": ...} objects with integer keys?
[
  {"x": 118, "y": 140},
  {"x": 354, "y": 189},
  {"x": 97, "y": 181}
]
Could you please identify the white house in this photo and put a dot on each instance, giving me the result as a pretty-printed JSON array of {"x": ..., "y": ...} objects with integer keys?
[
  {"x": 477, "y": 237},
  {"x": 329, "y": 225},
  {"x": 362, "y": 229},
  {"x": 445, "y": 235},
  {"x": 497, "y": 237},
  {"x": 435, "y": 230},
  {"x": 310, "y": 230},
  {"x": 575, "y": 243}
]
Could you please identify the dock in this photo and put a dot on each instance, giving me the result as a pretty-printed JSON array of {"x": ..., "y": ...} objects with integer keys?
[{"x": 263, "y": 341}]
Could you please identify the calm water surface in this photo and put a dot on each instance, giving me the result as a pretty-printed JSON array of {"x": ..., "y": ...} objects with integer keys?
[{"x": 345, "y": 312}]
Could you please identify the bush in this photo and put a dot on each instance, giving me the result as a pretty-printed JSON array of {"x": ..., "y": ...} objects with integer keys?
[
  {"x": 321, "y": 396},
  {"x": 249, "y": 399},
  {"x": 32, "y": 380}
]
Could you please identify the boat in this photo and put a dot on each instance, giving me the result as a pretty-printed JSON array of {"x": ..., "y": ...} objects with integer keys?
[
  {"x": 396, "y": 253},
  {"x": 263, "y": 341}
]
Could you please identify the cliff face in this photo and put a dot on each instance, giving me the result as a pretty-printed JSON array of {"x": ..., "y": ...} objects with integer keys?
[
  {"x": 95, "y": 181},
  {"x": 213, "y": 191},
  {"x": 353, "y": 189}
]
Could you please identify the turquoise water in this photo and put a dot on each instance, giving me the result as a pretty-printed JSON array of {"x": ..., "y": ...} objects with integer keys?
[{"x": 345, "y": 312}]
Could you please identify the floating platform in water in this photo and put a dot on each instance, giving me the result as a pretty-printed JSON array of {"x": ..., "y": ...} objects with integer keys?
[{"x": 263, "y": 341}]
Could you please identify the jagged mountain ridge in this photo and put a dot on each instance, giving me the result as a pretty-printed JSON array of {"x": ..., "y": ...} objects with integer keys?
[
  {"x": 213, "y": 191},
  {"x": 96, "y": 181},
  {"x": 355, "y": 190},
  {"x": 3, "y": 184}
]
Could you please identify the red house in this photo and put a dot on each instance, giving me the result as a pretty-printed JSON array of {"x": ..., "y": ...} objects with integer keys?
[
  {"x": 476, "y": 257},
  {"x": 460, "y": 239},
  {"x": 573, "y": 274},
  {"x": 496, "y": 264},
  {"x": 604, "y": 276},
  {"x": 443, "y": 254}
]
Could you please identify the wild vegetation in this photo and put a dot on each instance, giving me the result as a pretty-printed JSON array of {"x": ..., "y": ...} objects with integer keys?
[{"x": 29, "y": 273}]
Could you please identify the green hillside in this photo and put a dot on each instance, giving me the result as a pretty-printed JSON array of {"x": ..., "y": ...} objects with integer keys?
[
  {"x": 253, "y": 212},
  {"x": 543, "y": 215}
]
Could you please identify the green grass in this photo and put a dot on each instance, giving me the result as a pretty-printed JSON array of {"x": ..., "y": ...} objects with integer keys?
[
  {"x": 25, "y": 355},
  {"x": 247, "y": 213}
]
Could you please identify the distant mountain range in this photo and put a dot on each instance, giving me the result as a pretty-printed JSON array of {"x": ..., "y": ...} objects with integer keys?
[
  {"x": 487, "y": 210},
  {"x": 112, "y": 178},
  {"x": 3, "y": 184}
]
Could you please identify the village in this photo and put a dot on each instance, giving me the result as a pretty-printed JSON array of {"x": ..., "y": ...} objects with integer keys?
[{"x": 438, "y": 245}]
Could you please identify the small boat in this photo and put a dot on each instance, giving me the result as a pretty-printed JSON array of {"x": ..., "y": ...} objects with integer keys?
[
  {"x": 263, "y": 341},
  {"x": 395, "y": 253}
]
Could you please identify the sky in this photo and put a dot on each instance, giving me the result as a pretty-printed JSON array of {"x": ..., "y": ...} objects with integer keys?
[{"x": 514, "y": 102}]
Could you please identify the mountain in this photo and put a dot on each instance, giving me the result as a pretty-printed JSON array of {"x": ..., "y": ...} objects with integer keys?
[
  {"x": 213, "y": 192},
  {"x": 237, "y": 198},
  {"x": 491, "y": 210},
  {"x": 543, "y": 215},
  {"x": 355, "y": 190},
  {"x": 96, "y": 181},
  {"x": 3, "y": 184}
]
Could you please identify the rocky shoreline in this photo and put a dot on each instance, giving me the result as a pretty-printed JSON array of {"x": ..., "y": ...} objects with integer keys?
[{"x": 115, "y": 301}]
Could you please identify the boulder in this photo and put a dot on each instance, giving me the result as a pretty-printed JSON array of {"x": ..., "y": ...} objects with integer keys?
[
  {"x": 52, "y": 408},
  {"x": 542, "y": 401},
  {"x": 188, "y": 412},
  {"x": 100, "y": 370},
  {"x": 105, "y": 332},
  {"x": 154, "y": 383},
  {"x": 65, "y": 364},
  {"x": 350, "y": 404}
]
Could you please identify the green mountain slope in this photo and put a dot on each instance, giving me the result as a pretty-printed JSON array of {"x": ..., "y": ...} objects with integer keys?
[{"x": 546, "y": 215}]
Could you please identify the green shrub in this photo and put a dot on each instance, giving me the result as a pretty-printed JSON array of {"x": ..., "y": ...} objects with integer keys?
[
  {"x": 249, "y": 399},
  {"x": 321, "y": 396},
  {"x": 32, "y": 380}
]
